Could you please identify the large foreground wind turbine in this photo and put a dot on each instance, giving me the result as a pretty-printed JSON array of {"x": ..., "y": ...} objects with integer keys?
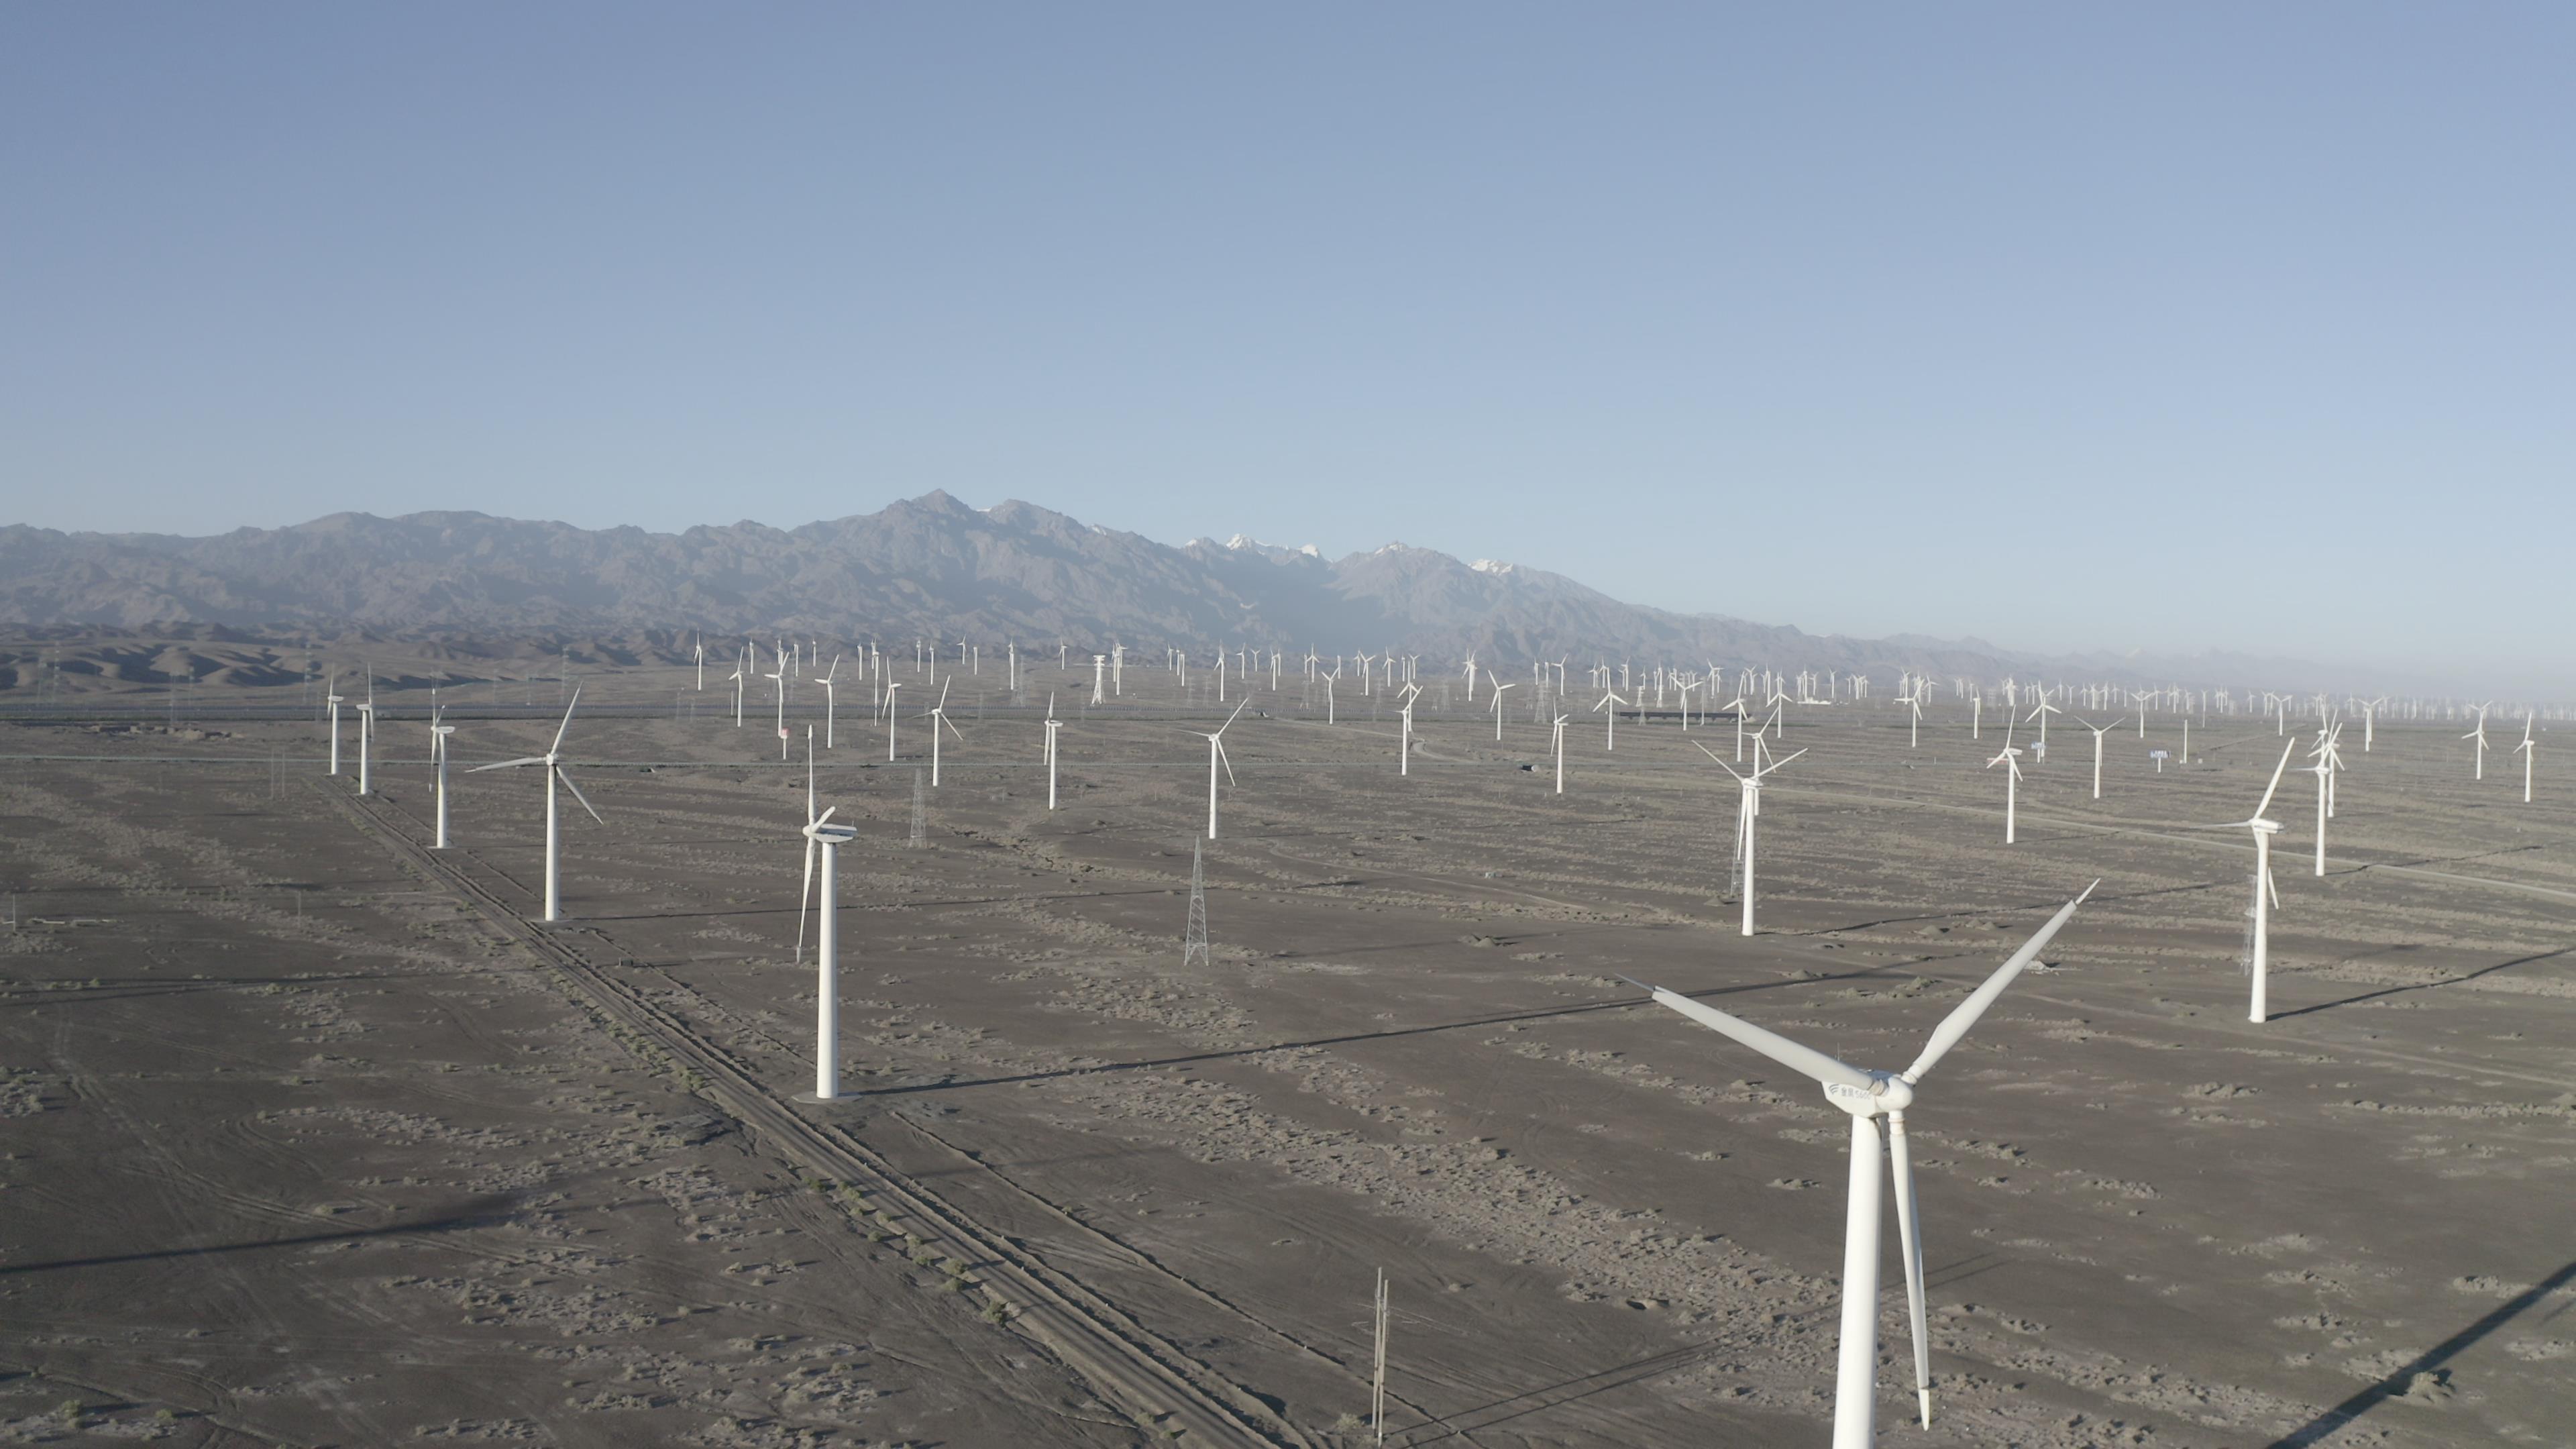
[
  {"x": 552, "y": 760},
  {"x": 1867, "y": 1096}
]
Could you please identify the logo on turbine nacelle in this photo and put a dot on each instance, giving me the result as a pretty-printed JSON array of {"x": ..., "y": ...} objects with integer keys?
[
  {"x": 1884, "y": 1094},
  {"x": 1859, "y": 1101}
]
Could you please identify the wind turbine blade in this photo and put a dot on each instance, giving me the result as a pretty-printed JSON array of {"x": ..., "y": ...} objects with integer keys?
[
  {"x": 506, "y": 764},
  {"x": 806, "y": 901},
  {"x": 1909, "y": 1229},
  {"x": 1703, "y": 749},
  {"x": 567, "y": 720},
  {"x": 1784, "y": 759},
  {"x": 1964, "y": 1016},
  {"x": 1222, "y": 757},
  {"x": 2276, "y": 778},
  {"x": 1771, "y": 1044},
  {"x": 576, "y": 794},
  {"x": 1229, "y": 719}
]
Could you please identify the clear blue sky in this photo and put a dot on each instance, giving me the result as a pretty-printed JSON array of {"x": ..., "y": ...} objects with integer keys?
[{"x": 2068, "y": 326}]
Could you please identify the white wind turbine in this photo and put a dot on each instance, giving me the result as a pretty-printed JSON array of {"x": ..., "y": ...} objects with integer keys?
[
  {"x": 1867, "y": 1096},
  {"x": 825, "y": 680},
  {"x": 1216, "y": 757},
  {"x": 438, "y": 734},
  {"x": 2098, "y": 732},
  {"x": 736, "y": 677},
  {"x": 1914, "y": 726},
  {"x": 2480, "y": 735},
  {"x": 1560, "y": 752},
  {"x": 1404, "y": 731},
  {"x": 1748, "y": 810},
  {"x": 1737, "y": 708},
  {"x": 891, "y": 687},
  {"x": 2529, "y": 753},
  {"x": 331, "y": 696},
  {"x": 552, "y": 759},
  {"x": 701, "y": 654},
  {"x": 1608, "y": 708},
  {"x": 367, "y": 737},
  {"x": 1328, "y": 690},
  {"x": 2328, "y": 760},
  {"x": 937, "y": 714},
  {"x": 2266, "y": 894},
  {"x": 2041, "y": 712},
  {"x": 2010, "y": 759},
  {"x": 821, "y": 834},
  {"x": 1499, "y": 687},
  {"x": 1052, "y": 725}
]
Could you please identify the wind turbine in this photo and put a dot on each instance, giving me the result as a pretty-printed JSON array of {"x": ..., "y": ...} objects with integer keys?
[
  {"x": 701, "y": 653},
  {"x": 2529, "y": 753},
  {"x": 1607, "y": 708},
  {"x": 2098, "y": 732},
  {"x": 2328, "y": 760},
  {"x": 1737, "y": 707},
  {"x": 1748, "y": 809},
  {"x": 1404, "y": 731},
  {"x": 1499, "y": 687},
  {"x": 1217, "y": 756},
  {"x": 937, "y": 714},
  {"x": 438, "y": 734},
  {"x": 821, "y": 834},
  {"x": 331, "y": 696},
  {"x": 1868, "y": 1095},
  {"x": 2041, "y": 712},
  {"x": 1052, "y": 725},
  {"x": 1914, "y": 730},
  {"x": 1560, "y": 752},
  {"x": 2011, "y": 760},
  {"x": 1328, "y": 690},
  {"x": 552, "y": 759},
  {"x": 736, "y": 677},
  {"x": 2266, "y": 895},
  {"x": 367, "y": 736},
  {"x": 2480, "y": 735},
  {"x": 891, "y": 687},
  {"x": 825, "y": 680}
]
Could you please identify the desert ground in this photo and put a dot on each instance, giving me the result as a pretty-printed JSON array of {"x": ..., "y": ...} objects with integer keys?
[{"x": 317, "y": 1136}]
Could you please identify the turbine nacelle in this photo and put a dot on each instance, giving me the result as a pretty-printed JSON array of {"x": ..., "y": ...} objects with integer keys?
[{"x": 1886, "y": 1092}]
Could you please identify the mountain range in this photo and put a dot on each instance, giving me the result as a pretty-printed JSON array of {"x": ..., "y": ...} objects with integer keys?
[{"x": 928, "y": 567}]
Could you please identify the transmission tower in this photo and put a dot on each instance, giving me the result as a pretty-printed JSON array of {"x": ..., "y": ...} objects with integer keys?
[{"x": 1194, "y": 939}]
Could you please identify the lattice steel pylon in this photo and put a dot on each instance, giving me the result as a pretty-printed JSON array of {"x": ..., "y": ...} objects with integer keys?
[
  {"x": 1194, "y": 945},
  {"x": 920, "y": 811}
]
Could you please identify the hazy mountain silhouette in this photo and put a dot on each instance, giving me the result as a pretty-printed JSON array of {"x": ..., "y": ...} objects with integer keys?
[{"x": 928, "y": 567}]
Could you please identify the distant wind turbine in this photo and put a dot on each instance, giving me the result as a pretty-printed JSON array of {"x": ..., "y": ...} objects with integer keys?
[{"x": 552, "y": 759}]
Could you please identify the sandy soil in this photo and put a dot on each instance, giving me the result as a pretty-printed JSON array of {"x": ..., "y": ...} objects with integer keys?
[{"x": 314, "y": 1139}]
